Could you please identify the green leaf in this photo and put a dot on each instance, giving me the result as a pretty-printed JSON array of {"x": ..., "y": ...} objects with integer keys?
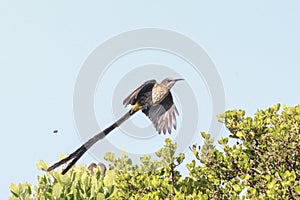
[
  {"x": 109, "y": 178},
  {"x": 15, "y": 190},
  {"x": 100, "y": 196},
  {"x": 297, "y": 189},
  {"x": 236, "y": 188},
  {"x": 56, "y": 191},
  {"x": 41, "y": 165},
  {"x": 239, "y": 134}
]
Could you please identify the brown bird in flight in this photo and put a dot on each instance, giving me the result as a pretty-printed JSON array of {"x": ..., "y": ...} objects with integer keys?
[{"x": 153, "y": 99}]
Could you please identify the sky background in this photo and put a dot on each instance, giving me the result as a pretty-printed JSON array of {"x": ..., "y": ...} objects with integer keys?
[{"x": 255, "y": 46}]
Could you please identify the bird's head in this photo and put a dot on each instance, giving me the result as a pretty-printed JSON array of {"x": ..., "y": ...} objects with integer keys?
[{"x": 169, "y": 82}]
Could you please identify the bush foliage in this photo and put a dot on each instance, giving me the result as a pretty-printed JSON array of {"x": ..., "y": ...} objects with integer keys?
[{"x": 259, "y": 160}]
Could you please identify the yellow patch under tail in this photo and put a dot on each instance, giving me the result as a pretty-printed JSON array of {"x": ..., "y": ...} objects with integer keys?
[{"x": 136, "y": 107}]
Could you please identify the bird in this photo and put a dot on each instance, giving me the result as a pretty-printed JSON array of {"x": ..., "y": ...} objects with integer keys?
[{"x": 153, "y": 99}]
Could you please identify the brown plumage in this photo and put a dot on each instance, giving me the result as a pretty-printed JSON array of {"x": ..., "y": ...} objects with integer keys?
[{"x": 157, "y": 103}]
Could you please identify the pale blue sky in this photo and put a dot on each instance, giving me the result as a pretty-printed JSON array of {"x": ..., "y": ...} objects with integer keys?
[{"x": 255, "y": 46}]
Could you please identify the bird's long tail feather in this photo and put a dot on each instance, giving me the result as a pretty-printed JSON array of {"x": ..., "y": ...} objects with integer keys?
[{"x": 76, "y": 155}]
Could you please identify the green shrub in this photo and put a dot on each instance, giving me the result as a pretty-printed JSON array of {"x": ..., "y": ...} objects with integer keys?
[{"x": 259, "y": 160}]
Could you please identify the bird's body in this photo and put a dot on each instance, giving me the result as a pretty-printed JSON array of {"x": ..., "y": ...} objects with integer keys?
[
  {"x": 156, "y": 101},
  {"x": 153, "y": 99},
  {"x": 160, "y": 93}
]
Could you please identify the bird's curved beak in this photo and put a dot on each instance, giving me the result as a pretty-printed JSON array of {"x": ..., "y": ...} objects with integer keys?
[{"x": 179, "y": 79}]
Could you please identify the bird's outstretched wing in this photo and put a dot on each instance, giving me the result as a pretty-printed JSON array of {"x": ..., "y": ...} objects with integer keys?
[
  {"x": 163, "y": 115},
  {"x": 147, "y": 86}
]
